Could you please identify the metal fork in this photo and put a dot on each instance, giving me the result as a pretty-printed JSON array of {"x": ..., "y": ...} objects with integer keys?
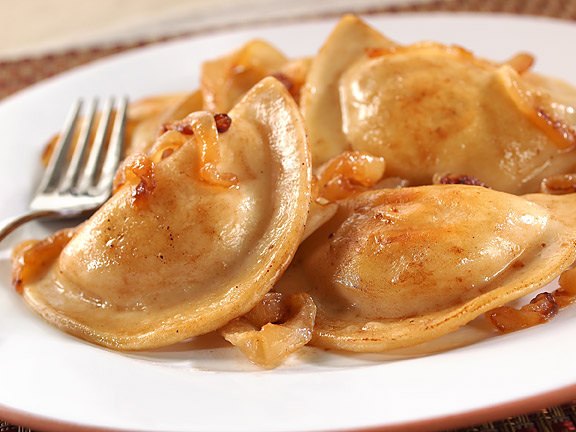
[{"x": 75, "y": 185}]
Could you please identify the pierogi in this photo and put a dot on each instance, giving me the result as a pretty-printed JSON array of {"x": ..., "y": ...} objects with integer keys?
[
  {"x": 194, "y": 242},
  {"x": 433, "y": 109},
  {"x": 397, "y": 267}
]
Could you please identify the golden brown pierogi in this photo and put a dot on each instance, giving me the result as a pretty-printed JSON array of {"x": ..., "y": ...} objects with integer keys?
[
  {"x": 397, "y": 267},
  {"x": 187, "y": 249},
  {"x": 435, "y": 109}
]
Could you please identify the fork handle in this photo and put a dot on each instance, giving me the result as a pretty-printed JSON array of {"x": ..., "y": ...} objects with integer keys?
[{"x": 9, "y": 225}]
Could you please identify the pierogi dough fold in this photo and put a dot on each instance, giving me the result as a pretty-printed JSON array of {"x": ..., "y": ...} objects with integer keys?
[
  {"x": 224, "y": 80},
  {"x": 350, "y": 41},
  {"x": 397, "y": 267},
  {"x": 190, "y": 255}
]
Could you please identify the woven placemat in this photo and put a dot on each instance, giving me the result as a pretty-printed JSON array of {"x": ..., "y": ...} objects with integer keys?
[{"x": 18, "y": 74}]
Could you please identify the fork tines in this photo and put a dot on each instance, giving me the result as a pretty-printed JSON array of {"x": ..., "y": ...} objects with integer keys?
[{"x": 88, "y": 151}]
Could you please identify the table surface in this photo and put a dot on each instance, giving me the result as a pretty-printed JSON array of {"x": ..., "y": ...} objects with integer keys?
[{"x": 38, "y": 49}]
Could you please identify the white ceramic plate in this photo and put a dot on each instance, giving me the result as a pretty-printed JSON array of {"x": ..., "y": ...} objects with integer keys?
[{"x": 53, "y": 381}]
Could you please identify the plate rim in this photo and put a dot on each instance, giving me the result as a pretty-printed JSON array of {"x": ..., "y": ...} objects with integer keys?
[{"x": 462, "y": 419}]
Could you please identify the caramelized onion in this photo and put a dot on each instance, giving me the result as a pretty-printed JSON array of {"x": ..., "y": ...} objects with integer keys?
[
  {"x": 271, "y": 309},
  {"x": 541, "y": 309},
  {"x": 166, "y": 144},
  {"x": 559, "y": 184},
  {"x": 138, "y": 171},
  {"x": 204, "y": 127},
  {"x": 566, "y": 294},
  {"x": 457, "y": 179},
  {"x": 349, "y": 173},
  {"x": 223, "y": 122},
  {"x": 538, "y": 108},
  {"x": 277, "y": 327},
  {"x": 31, "y": 258}
]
